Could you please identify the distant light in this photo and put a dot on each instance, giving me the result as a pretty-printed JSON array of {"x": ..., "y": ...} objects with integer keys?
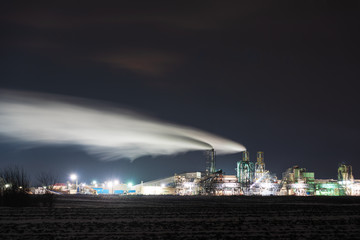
[
  {"x": 94, "y": 182},
  {"x": 109, "y": 184},
  {"x": 116, "y": 182},
  {"x": 73, "y": 177},
  {"x": 162, "y": 185},
  {"x": 188, "y": 184},
  {"x": 7, "y": 185},
  {"x": 266, "y": 185},
  {"x": 96, "y": 185},
  {"x": 130, "y": 184},
  {"x": 83, "y": 184}
]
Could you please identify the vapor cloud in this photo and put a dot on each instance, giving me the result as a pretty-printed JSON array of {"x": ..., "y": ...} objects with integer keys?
[{"x": 109, "y": 132}]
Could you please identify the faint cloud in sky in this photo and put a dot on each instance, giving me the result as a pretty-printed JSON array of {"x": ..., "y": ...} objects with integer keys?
[{"x": 148, "y": 62}]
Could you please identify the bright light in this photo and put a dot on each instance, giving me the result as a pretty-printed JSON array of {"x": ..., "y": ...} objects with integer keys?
[
  {"x": 73, "y": 177},
  {"x": 116, "y": 182},
  {"x": 162, "y": 185},
  {"x": 109, "y": 184},
  {"x": 355, "y": 187},
  {"x": 7, "y": 185},
  {"x": 83, "y": 184},
  {"x": 298, "y": 185},
  {"x": 345, "y": 182},
  {"x": 130, "y": 184},
  {"x": 94, "y": 182},
  {"x": 150, "y": 190},
  {"x": 229, "y": 185},
  {"x": 96, "y": 185},
  {"x": 188, "y": 184},
  {"x": 266, "y": 185}
]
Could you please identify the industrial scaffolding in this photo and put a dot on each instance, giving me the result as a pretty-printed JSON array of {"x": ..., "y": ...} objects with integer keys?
[
  {"x": 245, "y": 173},
  {"x": 253, "y": 179}
]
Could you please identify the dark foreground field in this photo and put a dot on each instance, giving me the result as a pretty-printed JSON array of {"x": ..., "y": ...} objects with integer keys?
[{"x": 172, "y": 217}]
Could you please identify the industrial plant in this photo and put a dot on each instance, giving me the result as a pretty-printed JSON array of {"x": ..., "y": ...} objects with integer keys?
[{"x": 251, "y": 178}]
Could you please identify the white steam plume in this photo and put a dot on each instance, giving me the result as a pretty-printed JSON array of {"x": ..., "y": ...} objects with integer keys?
[{"x": 111, "y": 133}]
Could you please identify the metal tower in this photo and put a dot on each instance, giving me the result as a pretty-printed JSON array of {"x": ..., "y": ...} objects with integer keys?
[
  {"x": 245, "y": 172},
  {"x": 210, "y": 162},
  {"x": 345, "y": 173},
  {"x": 259, "y": 166}
]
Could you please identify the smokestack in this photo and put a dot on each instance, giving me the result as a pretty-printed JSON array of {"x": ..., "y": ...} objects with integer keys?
[
  {"x": 210, "y": 161},
  {"x": 260, "y": 157},
  {"x": 259, "y": 166},
  {"x": 246, "y": 156}
]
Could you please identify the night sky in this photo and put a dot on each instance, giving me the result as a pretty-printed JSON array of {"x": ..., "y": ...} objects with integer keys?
[{"x": 276, "y": 76}]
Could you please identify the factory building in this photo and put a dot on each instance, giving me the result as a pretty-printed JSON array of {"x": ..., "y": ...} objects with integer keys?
[
  {"x": 252, "y": 179},
  {"x": 297, "y": 181}
]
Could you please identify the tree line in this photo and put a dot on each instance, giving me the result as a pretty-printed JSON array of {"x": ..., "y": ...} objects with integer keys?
[{"x": 15, "y": 187}]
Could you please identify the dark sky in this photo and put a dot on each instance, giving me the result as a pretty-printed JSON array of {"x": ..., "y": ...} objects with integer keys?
[{"x": 276, "y": 76}]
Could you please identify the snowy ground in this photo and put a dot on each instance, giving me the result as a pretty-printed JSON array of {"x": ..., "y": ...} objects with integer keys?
[{"x": 173, "y": 217}]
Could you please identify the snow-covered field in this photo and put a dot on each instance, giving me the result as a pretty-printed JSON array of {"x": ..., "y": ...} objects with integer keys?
[{"x": 174, "y": 217}]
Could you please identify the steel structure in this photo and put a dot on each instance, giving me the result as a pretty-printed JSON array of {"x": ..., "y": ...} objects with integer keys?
[
  {"x": 345, "y": 173},
  {"x": 252, "y": 179},
  {"x": 345, "y": 178},
  {"x": 297, "y": 181},
  {"x": 210, "y": 162},
  {"x": 245, "y": 172},
  {"x": 210, "y": 183},
  {"x": 259, "y": 166}
]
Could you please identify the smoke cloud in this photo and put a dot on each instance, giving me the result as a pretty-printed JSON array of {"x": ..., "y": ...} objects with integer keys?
[{"x": 109, "y": 132}]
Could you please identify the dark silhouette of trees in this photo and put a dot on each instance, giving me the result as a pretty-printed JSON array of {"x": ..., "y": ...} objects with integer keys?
[
  {"x": 47, "y": 179},
  {"x": 15, "y": 179},
  {"x": 15, "y": 192}
]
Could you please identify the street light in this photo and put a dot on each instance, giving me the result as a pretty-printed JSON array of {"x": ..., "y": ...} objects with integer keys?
[
  {"x": 110, "y": 185},
  {"x": 74, "y": 177}
]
